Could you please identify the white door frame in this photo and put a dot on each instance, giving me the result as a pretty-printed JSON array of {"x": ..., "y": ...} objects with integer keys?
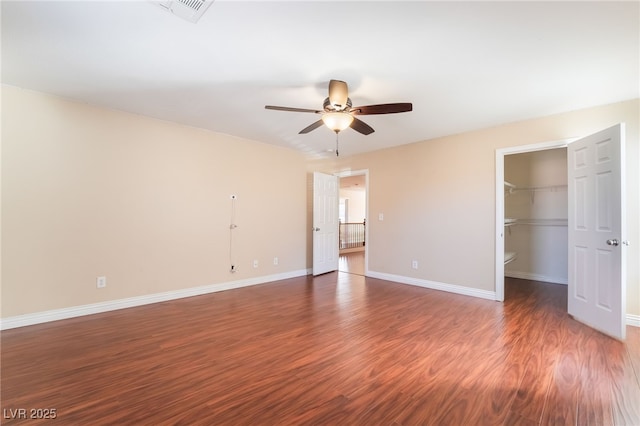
[
  {"x": 364, "y": 172},
  {"x": 500, "y": 153}
]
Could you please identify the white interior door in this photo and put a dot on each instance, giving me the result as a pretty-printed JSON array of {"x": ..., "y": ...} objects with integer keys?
[
  {"x": 597, "y": 249},
  {"x": 325, "y": 223}
]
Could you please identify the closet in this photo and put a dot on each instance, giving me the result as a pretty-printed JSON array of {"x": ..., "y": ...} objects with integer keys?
[{"x": 535, "y": 211}]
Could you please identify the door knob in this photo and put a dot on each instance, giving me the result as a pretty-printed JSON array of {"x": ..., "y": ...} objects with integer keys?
[
  {"x": 315, "y": 229},
  {"x": 613, "y": 242}
]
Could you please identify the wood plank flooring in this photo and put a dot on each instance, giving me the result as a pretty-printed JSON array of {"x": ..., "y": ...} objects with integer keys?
[
  {"x": 352, "y": 263},
  {"x": 339, "y": 349}
]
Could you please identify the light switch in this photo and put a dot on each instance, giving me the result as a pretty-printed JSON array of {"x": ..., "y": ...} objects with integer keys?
[{"x": 380, "y": 216}]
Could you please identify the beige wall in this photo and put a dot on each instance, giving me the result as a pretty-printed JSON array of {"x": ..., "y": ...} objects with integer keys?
[
  {"x": 438, "y": 197},
  {"x": 88, "y": 191}
]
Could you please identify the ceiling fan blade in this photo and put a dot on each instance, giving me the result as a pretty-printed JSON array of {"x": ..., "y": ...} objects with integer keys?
[
  {"x": 361, "y": 127},
  {"x": 382, "y": 109},
  {"x": 311, "y": 127},
  {"x": 338, "y": 94},
  {"x": 281, "y": 108}
]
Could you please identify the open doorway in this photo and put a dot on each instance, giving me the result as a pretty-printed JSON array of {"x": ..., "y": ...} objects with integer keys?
[
  {"x": 535, "y": 211},
  {"x": 353, "y": 223},
  {"x": 526, "y": 215},
  {"x": 596, "y": 237}
]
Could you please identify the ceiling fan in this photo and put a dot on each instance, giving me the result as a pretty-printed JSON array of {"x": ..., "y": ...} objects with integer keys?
[{"x": 338, "y": 114}]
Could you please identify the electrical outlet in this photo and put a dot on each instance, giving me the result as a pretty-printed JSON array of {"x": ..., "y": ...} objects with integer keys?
[
  {"x": 101, "y": 282},
  {"x": 275, "y": 261},
  {"x": 233, "y": 269},
  {"x": 255, "y": 263},
  {"x": 414, "y": 264}
]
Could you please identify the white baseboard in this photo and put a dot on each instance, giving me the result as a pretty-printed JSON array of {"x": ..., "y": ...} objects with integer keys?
[
  {"x": 536, "y": 277},
  {"x": 112, "y": 305},
  {"x": 96, "y": 308},
  {"x": 434, "y": 285},
  {"x": 633, "y": 320}
]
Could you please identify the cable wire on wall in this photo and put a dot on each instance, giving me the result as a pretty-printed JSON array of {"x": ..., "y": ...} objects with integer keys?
[{"x": 232, "y": 227}]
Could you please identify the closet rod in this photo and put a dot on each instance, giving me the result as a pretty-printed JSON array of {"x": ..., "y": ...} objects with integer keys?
[{"x": 539, "y": 222}]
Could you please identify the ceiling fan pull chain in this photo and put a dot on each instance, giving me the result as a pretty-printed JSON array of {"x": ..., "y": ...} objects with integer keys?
[{"x": 337, "y": 144}]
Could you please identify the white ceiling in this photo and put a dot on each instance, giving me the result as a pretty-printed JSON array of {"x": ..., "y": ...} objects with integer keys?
[{"x": 463, "y": 65}]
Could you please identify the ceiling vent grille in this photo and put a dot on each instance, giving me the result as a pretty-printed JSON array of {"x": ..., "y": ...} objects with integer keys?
[{"x": 190, "y": 10}]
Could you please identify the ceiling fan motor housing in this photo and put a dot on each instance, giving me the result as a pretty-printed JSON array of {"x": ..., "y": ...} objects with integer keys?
[{"x": 328, "y": 107}]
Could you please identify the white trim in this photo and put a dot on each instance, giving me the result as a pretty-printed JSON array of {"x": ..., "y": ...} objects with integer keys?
[
  {"x": 112, "y": 305},
  {"x": 633, "y": 320},
  {"x": 434, "y": 285},
  {"x": 499, "y": 255},
  {"x": 562, "y": 143},
  {"x": 536, "y": 277}
]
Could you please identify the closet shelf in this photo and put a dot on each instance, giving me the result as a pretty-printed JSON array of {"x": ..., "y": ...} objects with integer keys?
[
  {"x": 510, "y": 256},
  {"x": 511, "y": 189}
]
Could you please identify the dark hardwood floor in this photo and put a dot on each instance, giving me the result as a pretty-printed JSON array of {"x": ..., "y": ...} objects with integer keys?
[
  {"x": 338, "y": 349},
  {"x": 352, "y": 263}
]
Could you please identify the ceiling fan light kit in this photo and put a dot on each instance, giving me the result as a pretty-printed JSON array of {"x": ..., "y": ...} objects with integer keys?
[
  {"x": 337, "y": 121},
  {"x": 338, "y": 114}
]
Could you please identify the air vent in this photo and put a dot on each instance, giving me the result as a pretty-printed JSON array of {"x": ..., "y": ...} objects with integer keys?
[{"x": 190, "y": 10}]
